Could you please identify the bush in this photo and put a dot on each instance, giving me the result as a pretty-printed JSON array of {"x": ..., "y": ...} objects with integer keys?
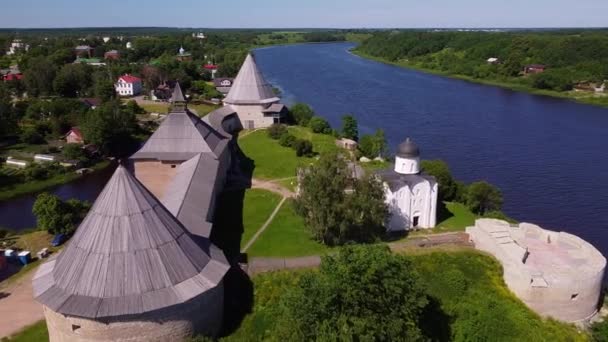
[
  {"x": 372, "y": 146},
  {"x": 57, "y": 216},
  {"x": 361, "y": 294},
  {"x": 288, "y": 140},
  {"x": 32, "y": 136},
  {"x": 276, "y": 131},
  {"x": 303, "y": 148},
  {"x": 319, "y": 125},
  {"x": 301, "y": 113},
  {"x": 599, "y": 331}
]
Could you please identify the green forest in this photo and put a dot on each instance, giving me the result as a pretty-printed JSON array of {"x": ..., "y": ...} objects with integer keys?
[{"x": 572, "y": 59}]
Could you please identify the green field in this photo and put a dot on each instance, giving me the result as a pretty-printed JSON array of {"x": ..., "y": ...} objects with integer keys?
[
  {"x": 257, "y": 208},
  {"x": 286, "y": 236},
  {"x": 160, "y": 107},
  {"x": 267, "y": 152},
  {"x": 33, "y": 333}
]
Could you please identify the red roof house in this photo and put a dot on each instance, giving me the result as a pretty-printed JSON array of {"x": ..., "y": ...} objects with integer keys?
[
  {"x": 112, "y": 54},
  {"x": 210, "y": 67},
  {"x": 74, "y": 136},
  {"x": 128, "y": 85},
  {"x": 12, "y": 77},
  {"x": 534, "y": 68}
]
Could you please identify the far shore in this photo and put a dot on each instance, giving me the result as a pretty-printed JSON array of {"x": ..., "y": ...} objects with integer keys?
[{"x": 589, "y": 100}]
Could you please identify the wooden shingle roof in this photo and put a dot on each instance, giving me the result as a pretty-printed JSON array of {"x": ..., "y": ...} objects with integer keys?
[
  {"x": 129, "y": 256},
  {"x": 250, "y": 86}
]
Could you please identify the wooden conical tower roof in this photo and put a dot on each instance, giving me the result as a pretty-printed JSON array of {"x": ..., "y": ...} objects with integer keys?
[
  {"x": 250, "y": 86},
  {"x": 129, "y": 256}
]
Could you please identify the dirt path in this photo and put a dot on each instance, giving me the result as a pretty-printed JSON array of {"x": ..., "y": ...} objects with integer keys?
[
  {"x": 272, "y": 187},
  {"x": 261, "y": 265},
  {"x": 18, "y": 308},
  {"x": 263, "y": 228}
]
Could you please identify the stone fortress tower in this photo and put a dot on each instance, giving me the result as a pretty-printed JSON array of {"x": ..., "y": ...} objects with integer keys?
[
  {"x": 132, "y": 272},
  {"x": 141, "y": 266},
  {"x": 410, "y": 194},
  {"x": 556, "y": 274}
]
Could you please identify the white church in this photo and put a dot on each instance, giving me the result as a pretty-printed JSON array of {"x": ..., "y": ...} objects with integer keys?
[{"x": 410, "y": 194}]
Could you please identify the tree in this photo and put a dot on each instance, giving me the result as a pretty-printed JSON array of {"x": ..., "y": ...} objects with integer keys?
[
  {"x": 104, "y": 89},
  {"x": 360, "y": 294},
  {"x": 8, "y": 119},
  {"x": 319, "y": 125},
  {"x": 301, "y": 113},
  {"x": 39, "y": 76},
  {"x": 74, "y": 152},
  {"x": 350, "y": 129},
  {"x": 372, "y": 146},
  {"x": 111, "y": 128},
  {"x": 57, "y": 216},
  {"x": 31, "y": 136},
  {"x": 599, "y": 331},
  {"x": 333, "y": 216},
  {"x": 440, "y": 170},
  {"x": 482, "y": 197},
  {"x": 303, "y": 147},
  {"x": 73, "y": 80}
]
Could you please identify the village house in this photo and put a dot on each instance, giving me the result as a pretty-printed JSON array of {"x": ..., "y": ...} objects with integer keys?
[
  {"x": 252, "y": 99},
  {"x": 410, "y": 194},
  {"x": 11, "y": 74},
  {"x": 90, "y": 61},
  {"x": 556, "y": 274},
  {"x": 212, "y": 68},
  {"x": 223, "y": 84},
  {"x": 493, "y": 60},
  {"x": 112, "y": 55},
  {"x": 74, "y": 136},
  {"x": 347, "y": 144},
  {"x": 129, "y": 45},
  {"x": 91, "y": 102},
  {"x": 128, "y": 85},
  {"x": 534, "y": 69},
  {"x": 17, "y": 46},
  {"x": 84, "y": 51}
]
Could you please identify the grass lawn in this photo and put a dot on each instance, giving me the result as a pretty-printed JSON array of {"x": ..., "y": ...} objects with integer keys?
[
  {"x": 203, "y": 109},
  {"x": 267, "y": 152},
  {"x": 14, "y": 190},
  {"x": 476, "y": 303},
  {"x": 161, "y": 107},
  {"x": 33, "y": 333},
  {"x": 257, "y": 208},
  {"x": 286, "y": 236}
]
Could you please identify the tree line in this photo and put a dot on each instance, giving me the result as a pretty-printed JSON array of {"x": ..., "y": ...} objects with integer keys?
[{"x": 570, "y": 56}]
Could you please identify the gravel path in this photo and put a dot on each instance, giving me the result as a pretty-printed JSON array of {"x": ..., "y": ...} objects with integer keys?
[{"x": 18, "y": 308}]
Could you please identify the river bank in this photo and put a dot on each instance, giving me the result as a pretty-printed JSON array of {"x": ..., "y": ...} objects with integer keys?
[
  {"x": 581, "y": 98},
  {"x": 21, "y": 189}
]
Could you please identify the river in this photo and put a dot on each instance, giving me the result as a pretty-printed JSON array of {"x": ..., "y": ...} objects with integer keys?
[
  {"x": 547, "y": 155},
  {"x": 16, "y": 214}
]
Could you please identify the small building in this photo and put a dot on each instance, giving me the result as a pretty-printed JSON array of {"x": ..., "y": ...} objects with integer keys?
[
  {"x": 183, "y": 56},
  {"x": 11, "y": 74},
  {"x": 74, "y": 136},
  {"x": 199, "y": 35},
  {"x": 10, "y": 161},
  {"x": 84, "y": 51},
  {"x": 128, "y": 85},
  {"x": 223, "y": 84},
  {"x": 112, "y": 55},
  {"x": 556, "y": 274},
  {"x": 44, "y": 158},
  {"x": 410, "y": 194},
  {"x": 493, "y": 60},
  {"x": 89, "y": 61},
  {"x": 347, "y": 144},
  {"x": 129, "y": 45},
  {"x": 91, "y": 102},
  {"x": 17, "y": 46},
  {"x": 252, "y": 98},
  {"x": 534, "y": 69},
  {"x": 106, "y": 39}
]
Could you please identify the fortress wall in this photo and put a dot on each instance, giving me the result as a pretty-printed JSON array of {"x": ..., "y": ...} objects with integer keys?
[
  {"x": 253, "y": 113},
  {"x": 571, "y": 296},
  {"x": 200, "y": 315},
  {"x": 155, "y": 175}
]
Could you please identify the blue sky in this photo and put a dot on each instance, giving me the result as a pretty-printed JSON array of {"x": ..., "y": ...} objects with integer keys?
[{"x": 306, "y": 13}]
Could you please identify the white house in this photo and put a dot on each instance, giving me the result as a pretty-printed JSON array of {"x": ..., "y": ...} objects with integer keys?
[
  {"x": 128, "y": 85},
  {"x": 16, "y": 46},
  {"x": 410, "y": 194}
]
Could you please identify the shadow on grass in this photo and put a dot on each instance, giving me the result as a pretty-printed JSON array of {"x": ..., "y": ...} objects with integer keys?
[
  {"x": 238, "y": 299},
  {"x": 434, "y": 322},
  {"x": 443, "y": 213},
  {"x": 10, "y": 270}
]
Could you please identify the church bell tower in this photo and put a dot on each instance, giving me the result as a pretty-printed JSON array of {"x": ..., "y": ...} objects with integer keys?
[{"x": 407, "y": 160}]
